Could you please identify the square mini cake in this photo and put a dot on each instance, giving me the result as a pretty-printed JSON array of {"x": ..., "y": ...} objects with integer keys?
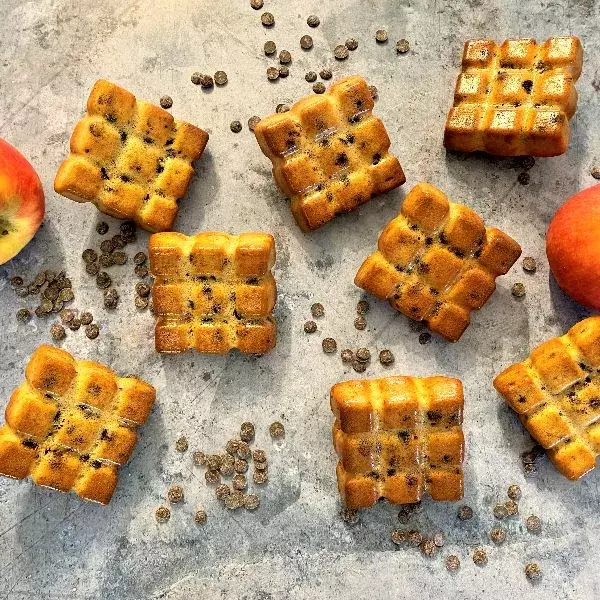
[
  {"x": 213, "y": 292},
  {"x": 398, "y": 438},
  {"x": 132, "y": 159},
  {"x": 515, "y": 99},
  {"x": 329, "y": 153},
  {"x": 556, "y": 393},
  {"x": 72, "y": 423},
  {"x": 437, "y": 261}
]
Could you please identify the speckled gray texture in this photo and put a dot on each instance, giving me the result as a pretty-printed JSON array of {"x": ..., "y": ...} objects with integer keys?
[{"x": 295, "y": 545}]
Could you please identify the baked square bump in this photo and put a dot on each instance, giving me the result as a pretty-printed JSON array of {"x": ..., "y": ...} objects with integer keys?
[
  {"x": 398, "y": 438},
  {"x": 437, "y": 261},
  {"x": 213, "y": 292},
  {"x": 130, "y": 158},
  {"x": 72, "y": 423},
  {"x": 329, "y": 153}
]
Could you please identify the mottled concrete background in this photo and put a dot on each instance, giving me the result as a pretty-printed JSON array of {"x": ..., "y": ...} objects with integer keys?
[{"x": 294, "y": 546}]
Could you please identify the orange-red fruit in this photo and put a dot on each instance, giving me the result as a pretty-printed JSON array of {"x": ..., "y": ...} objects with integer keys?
[{"x": 573, "y": 247}]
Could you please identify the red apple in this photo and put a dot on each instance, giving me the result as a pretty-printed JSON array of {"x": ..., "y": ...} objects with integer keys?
[
  {"x": 573, "y": 247},
  {"x": 21, "y": 202}
]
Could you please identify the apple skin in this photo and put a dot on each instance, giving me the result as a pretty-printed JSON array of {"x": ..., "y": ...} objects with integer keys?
[
  {"x": 21, "y": 202},
  {"x": 573, "y": 247}
]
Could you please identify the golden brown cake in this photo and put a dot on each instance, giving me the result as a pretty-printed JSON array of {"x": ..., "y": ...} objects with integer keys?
[
  {"x": 72, "y": 423},
  {"x": 556, "y": 393},
  {"x": 398, "y": 438},
  {"x": 132, "y": 159},
  {"x": 213, "y": 292},
  {"x": 329, "y": 153},
  {"x": 437, "y": 261},
  {"x": 515, "y": 99}
]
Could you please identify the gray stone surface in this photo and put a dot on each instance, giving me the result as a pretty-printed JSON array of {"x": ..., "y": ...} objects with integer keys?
[{"x": 295, "y": 545}]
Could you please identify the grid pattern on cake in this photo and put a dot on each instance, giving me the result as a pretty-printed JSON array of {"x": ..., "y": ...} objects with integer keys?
[
  {"x": 329, "y": 153},
  {"x": 515, "y": 98},
  {"x": 72, "y": 423},
  {"x": 213, "y": 292},
  {"x": 132, "y": 159},
  {"x": 398, "y": 438},
  {"x": 437, "y": 261},
  {"x": 556, "y": 393}
]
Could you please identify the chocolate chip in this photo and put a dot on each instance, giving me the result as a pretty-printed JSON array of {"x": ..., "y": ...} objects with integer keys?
[
  {"x": 318, "y": 88},
  {"x": 325, "y": 74},
  {"x": 402, "y": 46},
  {"x": 381, "y": 36},
  {"x": 235, "y": 126},
  {"x": 313, "y": 21},
  {"x": 267, "y": 19},
  {"x": 341, "y": 52},
  {"x": 220, "y": 78},
  {"x": 351, "y": 44},
  {"x": 166, "y": 102},
  {"x": 270, "y": 48},
  {"x": 306, "y": 42}
]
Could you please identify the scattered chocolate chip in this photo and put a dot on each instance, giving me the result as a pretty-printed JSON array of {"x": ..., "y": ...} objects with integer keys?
[
  {"x": 276, "y": 430},
  {"x": 359, "y": 367},
  {"x": 363, "y": 355},
  {"x": 16, "y": 281},
  {"x": 141, "y": 303},
  {"x": 92, "y": 269},
  {"x": 142, "y": 289},
  {"x": 234, "y": 500},
  {"x": 67, "y": 315},
  {"x": 75, "y": 324},
  {"x": 596, "y": 173},
  {"x": 212, "y": 477},
  {"x": 92, "y": 331},
  {"x": 306, "y": 42},
  {"x": 261, "y": 466},
  {"x": 498, "y": 535},
  {"x": 23, "y": 315},
  {"x": 58, "y": 332},
  {"x": 139, "y": 258},
  {"x": 402, "y": 46},
  {"x": 480, "y": 557},
  {"x": 310, "y": 76},
  {"x": 512, "y": 508},
  {"x": 285, "y": 58},
  {"x": 533, "y": 524},
  {"x": 102, "y": 227},
  {"x": 175, "y": 494},
  {"x": 222, "y": 491},
  {"x": 103, "y": 280},
  {"x": 243, "y": 449},
  {"x": 527, "y": 162},
  {"x": 111, "y": 298},
  {"x": 329, "y": 345},
  {"x": 514, "y": 492},
  {"x": 166, "y": 102},
  {"x": 272, "y": 73},
  {"x": 465, "y": 513},
  {"x": 318, "y": 88},
  {"x": 107, "y": 246},
  {"x": 424, "y": 338},
  {"x": 253, "y": 122},
  {"x": 517, "y": 290},
  {"x": 259, "y": 455},
  {"x": 360, "y": 323},
  {"x": 398, "y": 536},
  {"x": 200, "y": 517},
  {"x": 89, "y": 255},
  {"x": 220, "y": 78},
  {"x": 524, "y": 178},
  {"x": 247, "y": 431},
  {"x": 227, "y": 467},
  {"x": 347, "y": 355},
  {"x": 196, "y": 78},
  {"x": 415, "y": 538},
  {"x": 317, "y": 310},
  {"x": 533, "y": 572},
  {"x": 181, "y": 445},
  {"x": 381, "y": 36},
  {"x": 283, "y": 71},
  {"x": 341, "y": 52},
  {"x": 428, "y": 548},
  {"x": 232, "y": 446},
  {"x": 386, "y": 358},
  {"x": 199, "y": 458},
  {"x": 439, "y": 539},
  {"x": 86, "y": 318},
  {"x": 313, "y": 21},
  {"x": 118, "y": 241},
  {"x": 281, "y": 108},
  {"x": 325, "y": 74},
  {"x": 235, "y": 126},
  {"x": 162, "y": 514},
  {"x": 106, "y": 260},
  {"x": 256, "y": 4},
  {"x": 260, "y": 477},
  {"x": 374, "y": 92},
  {"x": 500, "y": 511},
  {"x": 240, "y": 465},
  {"x": 351, "y": 44},
  {"x": 206, "y": 82},
  {"x": 529, "y": 264},
  {"x": 267, "y": 19},
  {"x": 270, "y": 48},
  {"x": 251, "y": 501},
  {"x": 141, "y": 271},
  {"x": 119, "y": 258},
  {"x": 310, "y": 327},
  {"x": 452, "y": 562}
]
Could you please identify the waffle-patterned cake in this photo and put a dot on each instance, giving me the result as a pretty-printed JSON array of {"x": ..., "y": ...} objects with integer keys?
[
  {"x": 437, "y": 261},
  {"x": 516, "y": 98},
  {"x": 132, "y": 159},
  {"x": 329, "y": 153},
  {"x": 213, "y": 292},
  {"x": 398, "y": 438},
  {"x": 72, "y": 423},
  {"x": 556, "y": 393}
]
